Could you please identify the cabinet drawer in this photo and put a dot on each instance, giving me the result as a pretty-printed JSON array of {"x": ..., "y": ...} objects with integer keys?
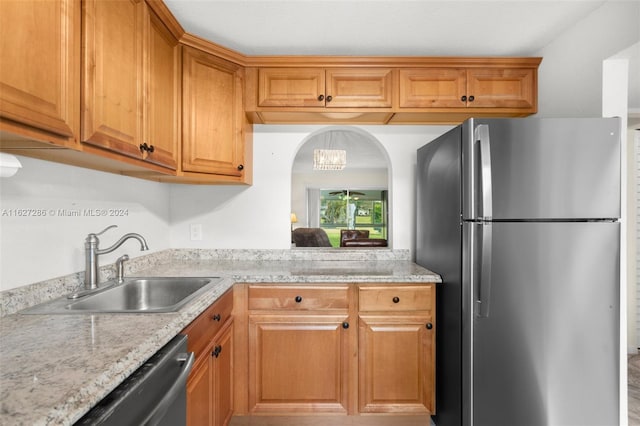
[
  {"x": 396, "y": 298},
  {"x": 204, "y": 328},
  {"x": 298, "y": 298}
]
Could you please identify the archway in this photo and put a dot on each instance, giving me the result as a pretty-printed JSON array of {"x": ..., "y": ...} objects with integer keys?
[{"x": 362, "y": 186}]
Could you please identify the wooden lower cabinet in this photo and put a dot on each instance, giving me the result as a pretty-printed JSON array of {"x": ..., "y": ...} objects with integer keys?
[
  {"x": 298, "y": 363},
  {"x": 396, "y": 364},
  {"x": 210, "y": 384},
  {"x": 335, "y": 349},
  {"x": 396, "y": 348}
]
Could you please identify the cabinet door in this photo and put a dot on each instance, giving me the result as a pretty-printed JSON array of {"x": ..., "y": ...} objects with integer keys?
[
  {"x": 212, "y": 115},
  {"x": 298, "y": 363},
  {"x": 162, "y": 94},
  {"x": 396, "y": 364},
  {"x": 291, "y": 87},
  {"x": 112, "y": 71},
  {"x": 502, "y": 88},
  {"x": 40, "y": 72},
  {"x": 222, "y": 376},
  {"x": 199, "y": 393},
  {"x": 432, "y": 88},
  {"x": 359, "y": 88}
]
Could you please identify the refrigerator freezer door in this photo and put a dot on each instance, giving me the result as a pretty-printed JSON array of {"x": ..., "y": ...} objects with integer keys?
[
  {"x": 562, "y": 169},
  {"x": 546, "y": 353}
]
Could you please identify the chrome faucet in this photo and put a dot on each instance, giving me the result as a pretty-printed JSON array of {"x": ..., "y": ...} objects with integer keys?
[{"x": 92, "y": 251}]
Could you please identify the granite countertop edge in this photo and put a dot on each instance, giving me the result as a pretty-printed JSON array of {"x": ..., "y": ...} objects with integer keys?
[{"x": 62, "y": 396}]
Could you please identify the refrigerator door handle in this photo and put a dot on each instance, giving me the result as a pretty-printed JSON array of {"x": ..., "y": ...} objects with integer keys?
[
  {"x": 483, "y": 300},
  {"x": 482, "y": 136}
]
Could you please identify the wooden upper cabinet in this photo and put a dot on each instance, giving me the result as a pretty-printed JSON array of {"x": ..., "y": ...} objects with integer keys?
[
  {"x": 112, "y": 69},
  {"x": 296, "y": 87},
  {"x": 213, "y": 116},
  {"x": 432, "y": 87},
  {"x": 163, "y": 91},
  {"x": 509, "y": 88},
  {"x": 40, "y": 68},
  {"x": 502, "y": 88},
  {"x": 330, "y": 88},
  {"x": 362, "y": 88},
  {"x": 131, "y": 82}
]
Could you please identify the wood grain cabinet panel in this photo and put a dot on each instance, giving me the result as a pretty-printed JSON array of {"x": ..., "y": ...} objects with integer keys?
[
  {"x": 163, "y": 94},
  {"x": 432, "y": 88},
  {"x": 499, "y": 88},
  {"x": 40, "y": 68},
  {"x": 112, "y": 72},
  {"x": 285, "y": 87},
  {"x": 298, "y": 298},
  {"x": 210, "y": 386},
  {"x": 502, "y": 88},
  {"x": 396, "y": 364},
  {"x": 362, "y": 88},
  {"x": 330, "y": 88},
  {"x": 298, "y": 363},
  {"x": 213, "y": 116},
  {"x": 131, "y": 82},
  {"x": 396, "y": 349}
]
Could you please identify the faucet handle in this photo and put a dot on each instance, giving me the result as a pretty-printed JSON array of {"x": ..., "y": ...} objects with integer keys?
[{"x": 106, "y": 229}]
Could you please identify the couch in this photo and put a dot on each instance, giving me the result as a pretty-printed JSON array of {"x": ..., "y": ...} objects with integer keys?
[
  {"x": 359, "y": 238},
  {"x": 310, "y": 237}
]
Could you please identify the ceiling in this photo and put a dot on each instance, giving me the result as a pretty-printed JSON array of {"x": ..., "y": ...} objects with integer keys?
[{"x": 381, "y": 27}]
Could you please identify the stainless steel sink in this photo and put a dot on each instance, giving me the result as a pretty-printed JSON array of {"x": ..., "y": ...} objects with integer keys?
[{"x": 135, "y": 295}]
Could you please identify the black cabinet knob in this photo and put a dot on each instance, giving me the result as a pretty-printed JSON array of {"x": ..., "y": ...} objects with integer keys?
[
  {"x": 464, "y": 98},
  {"x": 216, "y": 351},
  {"x": 298, "y": 299},
  {"x": 429, "y": 326},
  {"x": 216, "y": 317},
  {"x": 471, "y": 98},
  {"x": 329, "y": 98},
  {"x": 345, "y": 325},
  {"x": 240, "y": 167},
  {"x": 396, "y": 299},
  {"x": 147, "y": 147},
  {"x": 321, "y": 98}
]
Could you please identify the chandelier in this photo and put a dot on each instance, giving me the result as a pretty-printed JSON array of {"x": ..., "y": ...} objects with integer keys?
[{"x": 329, "y": 159}]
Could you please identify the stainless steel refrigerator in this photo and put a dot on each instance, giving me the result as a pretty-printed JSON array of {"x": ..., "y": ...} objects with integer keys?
[{"x": 520, "y": 217}]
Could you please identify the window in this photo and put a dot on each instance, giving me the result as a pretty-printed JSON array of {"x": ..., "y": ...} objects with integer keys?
[{"x": 353, "y": 209}]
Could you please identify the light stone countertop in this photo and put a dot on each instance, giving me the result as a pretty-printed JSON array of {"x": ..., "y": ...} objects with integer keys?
[{"x": 54, "y": 368}]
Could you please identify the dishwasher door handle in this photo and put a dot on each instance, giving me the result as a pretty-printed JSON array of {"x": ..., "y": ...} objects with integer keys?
[{"x": 176, "y": 388}]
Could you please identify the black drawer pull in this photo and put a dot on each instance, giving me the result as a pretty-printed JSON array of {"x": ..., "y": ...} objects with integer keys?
[
  {"x": 216, "y": 317},
  {"x": 216, "y": 351},
  {"x": 396, "y": 299},
  {"x": 298, "y": 299}
]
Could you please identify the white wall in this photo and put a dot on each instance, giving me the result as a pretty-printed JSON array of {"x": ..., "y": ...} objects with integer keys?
[
  {"x": 570, "y": 75},
  {"x": 45, "y": 215},
  {"x": 258, "y": 217}
]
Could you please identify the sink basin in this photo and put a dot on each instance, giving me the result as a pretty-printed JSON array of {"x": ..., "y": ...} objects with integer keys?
[{"x": 135, "y": 295}]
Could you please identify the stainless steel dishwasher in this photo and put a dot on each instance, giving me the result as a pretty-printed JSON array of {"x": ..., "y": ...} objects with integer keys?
[{"x": 155, "y": 394}]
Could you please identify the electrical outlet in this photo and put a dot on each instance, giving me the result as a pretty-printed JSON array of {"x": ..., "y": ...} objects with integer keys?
[{"x": 196, "y": 232}]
